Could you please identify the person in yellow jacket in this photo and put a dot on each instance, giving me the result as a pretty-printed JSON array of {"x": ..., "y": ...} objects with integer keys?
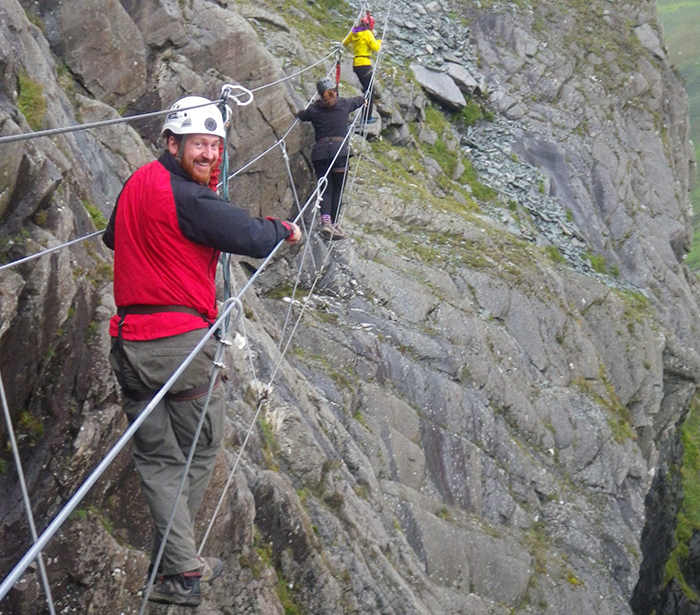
[{"x": 363, "y": 44}]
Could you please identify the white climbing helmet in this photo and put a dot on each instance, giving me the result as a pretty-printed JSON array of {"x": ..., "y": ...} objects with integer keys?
[{"x": 202, "y": 120}]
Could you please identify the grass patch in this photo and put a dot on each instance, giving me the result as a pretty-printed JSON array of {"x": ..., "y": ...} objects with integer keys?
[
  {"x": 288, "y": 600},
  {"x": 29, "y": 427},
  {"x": 619, "y": 419},
  {"x": 333, "y": 15},
  {"x": 479, "y": 190},
  {"x": 438, "y": 121},
  {"x": 471, "y": 114},
  {"x": 95, "y": 214},
  {"x": 286, "y": 291},
  {"x": 637, "y": 307},
  {"x": 688, "y": 520},
  {"x": 400, "y": 175},
  {"x": 597, "y": 261},
  {"x": 270, "y": 447},
  {"x": 31, "y": 101},
  {"x": 554, "y": 254}
]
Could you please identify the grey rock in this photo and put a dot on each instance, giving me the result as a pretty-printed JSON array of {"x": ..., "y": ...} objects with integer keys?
[
  {"x": 439, "y": 85},
  {"x": 260, "y": 14},
  {"x": 432, "y": 166},
  {"x": 462, "y": 77},
  {"x": 420, "y": 8},
  {"x": 105, "y": 48},
  {"x": 399, "y": 135},
  {"x": 159, "y": 21},
  {"x": 649, "y": 40},
  {"x": 427, "y": 135}
]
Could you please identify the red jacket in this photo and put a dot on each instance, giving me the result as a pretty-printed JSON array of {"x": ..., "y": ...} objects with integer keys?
[{"x": 166, "y": 232}]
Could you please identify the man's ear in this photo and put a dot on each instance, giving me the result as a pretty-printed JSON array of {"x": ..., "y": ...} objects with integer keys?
[{"x": 173, "y": 145}]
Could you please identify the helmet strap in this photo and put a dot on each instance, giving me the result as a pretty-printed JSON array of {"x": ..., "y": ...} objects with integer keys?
[{"x": 181, "y": 148}]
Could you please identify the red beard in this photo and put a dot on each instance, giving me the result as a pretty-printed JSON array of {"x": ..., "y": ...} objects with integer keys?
[{"x": 198, "y": 173}]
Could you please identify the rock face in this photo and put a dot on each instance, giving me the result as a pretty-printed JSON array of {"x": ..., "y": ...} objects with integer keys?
[
  {"x": 479, "y": 410},
  {"x": 440, "y": 85}
]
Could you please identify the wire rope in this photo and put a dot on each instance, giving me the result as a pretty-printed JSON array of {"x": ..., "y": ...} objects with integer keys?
[
  {"x": 82, "y": 491},
  {"x": 31, "y": 257},
  {"x": 299, "y": 72},
  {"x": 40, "y": 542},
  {"x": 25, "y": 496},
  {"x": 25, "y": 136},
  {"x": 56, "y": 131}
]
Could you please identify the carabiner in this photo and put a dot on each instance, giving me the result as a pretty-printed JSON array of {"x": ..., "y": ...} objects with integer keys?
[{"x": 238, "y": 93}]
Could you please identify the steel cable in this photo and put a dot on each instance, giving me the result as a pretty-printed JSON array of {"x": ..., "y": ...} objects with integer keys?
[{"x": 40, "y": 542}]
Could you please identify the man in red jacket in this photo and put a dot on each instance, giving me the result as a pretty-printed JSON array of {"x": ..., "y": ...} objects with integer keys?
[{"x": 167, "y": 230}]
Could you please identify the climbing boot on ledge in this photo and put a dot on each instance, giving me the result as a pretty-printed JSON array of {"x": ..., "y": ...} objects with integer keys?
[
  {"x": 327, "y": 230},
  {"x": 211, "y": 568},
  {"x": 338, "y": 233},
  {"x": 182, "y": 589}
]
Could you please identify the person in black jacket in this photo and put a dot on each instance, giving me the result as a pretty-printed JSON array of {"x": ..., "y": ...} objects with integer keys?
[{"x": 329, "y": 117}]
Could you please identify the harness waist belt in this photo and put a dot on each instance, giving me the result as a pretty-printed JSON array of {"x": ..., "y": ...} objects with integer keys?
[
  {"x": 362, "y": 56},
  {"x": 187, "y": 395},
  {"x": 124, "y": 310},
  {"x": 195, "y": 392},
  {"x": 338, "y": 139}
]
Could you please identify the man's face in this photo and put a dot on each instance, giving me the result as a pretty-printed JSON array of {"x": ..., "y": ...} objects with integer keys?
[{"x": 200, "y": 155}]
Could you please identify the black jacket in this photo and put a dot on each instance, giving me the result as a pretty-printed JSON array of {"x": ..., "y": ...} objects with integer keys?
[{"x": 330, "y": 125}]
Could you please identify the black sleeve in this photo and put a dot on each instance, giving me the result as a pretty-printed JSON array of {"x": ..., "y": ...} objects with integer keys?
[
  {"x": 108, "y": 237},
  {"x": 304, "y": 115},
  {"x": 210, "y": 221},
  {"x": 357, "y": 102}
]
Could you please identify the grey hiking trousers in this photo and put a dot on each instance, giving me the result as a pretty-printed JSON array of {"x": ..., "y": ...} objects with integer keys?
[{"x": 162, "y": 443}]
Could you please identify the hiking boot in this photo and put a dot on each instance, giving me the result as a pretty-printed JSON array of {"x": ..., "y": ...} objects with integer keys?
[
  {"x": 328, "y": 231},
  {"x": 180, "y": 589},
  {"x": 338, "y": 233},
  {"x": 211, "y": 568}
]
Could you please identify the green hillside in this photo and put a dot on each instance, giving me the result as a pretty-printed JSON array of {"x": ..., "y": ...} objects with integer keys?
[{"x": 680, "y": 19}]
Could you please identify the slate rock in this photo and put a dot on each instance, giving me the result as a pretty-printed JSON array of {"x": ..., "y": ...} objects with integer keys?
[{"x": 439, "y": 85}]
